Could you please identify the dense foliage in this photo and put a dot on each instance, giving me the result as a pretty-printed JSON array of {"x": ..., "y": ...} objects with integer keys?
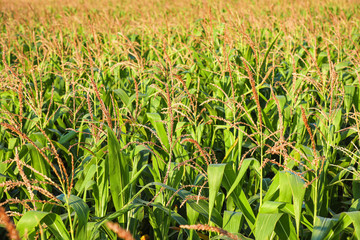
[{"x": 184, "y": 120}]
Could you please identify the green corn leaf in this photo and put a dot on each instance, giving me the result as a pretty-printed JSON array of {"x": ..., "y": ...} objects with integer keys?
[
  {"x": 285, "y": 195},
  {"x": 343, "y": 220},
  {"x": 82, "y": 212},
  {"x": 265, "y": 225},
  {"x": 124, "y": 98},
  {"x": 322, "y": 227},
  {"x": 355, "y": 206},
  {"x": 30, "y": 220},
  {"x": 244, "y": 166},
  {"x": 297, "y": 186},
  {"x": 91, "y": 170},
  {"x": 192, "y": 216},
  {"x": 156, "y": 122},
  {"x": 174, "y": 215},
  {"x": 355, "y": 219},
  {"x": 201, "y": 207},
  {"x": 133, "y": 179},
  {"x": 273, "y": 192},
  {"x": 215, "y": 175},
  {"x": 349, "y": 96},
  {"x": 285, "y": 228},
  {"x": 118, "y": 171},
  {"x": 238, "y": 196},
  {"x": 262, "y": 65},
  {"x": 67, "y": 137},
  {"x": 232, "y": 221},
  {"x": 38, "y": 162},
  {"x": 267, "y": 220}
]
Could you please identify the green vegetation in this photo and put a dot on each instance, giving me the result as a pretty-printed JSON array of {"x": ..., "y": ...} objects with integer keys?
[{"x": 183, "y": 120}]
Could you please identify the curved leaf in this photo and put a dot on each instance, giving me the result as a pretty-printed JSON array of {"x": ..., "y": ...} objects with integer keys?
[
  {"x": 30, "y": 220},
  {"x": 82, "y": 212},
  {"x": 215, "y": 175}
]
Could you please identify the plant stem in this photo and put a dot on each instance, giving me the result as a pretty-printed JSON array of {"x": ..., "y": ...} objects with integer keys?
[
  {"x": 315, "y": 200},
  {"x": 69, "y": 216},
  {"x": 261, "y": 168}
]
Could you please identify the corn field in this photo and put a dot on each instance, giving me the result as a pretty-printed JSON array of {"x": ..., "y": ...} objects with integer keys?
[{"x": 179, "y": 119}]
